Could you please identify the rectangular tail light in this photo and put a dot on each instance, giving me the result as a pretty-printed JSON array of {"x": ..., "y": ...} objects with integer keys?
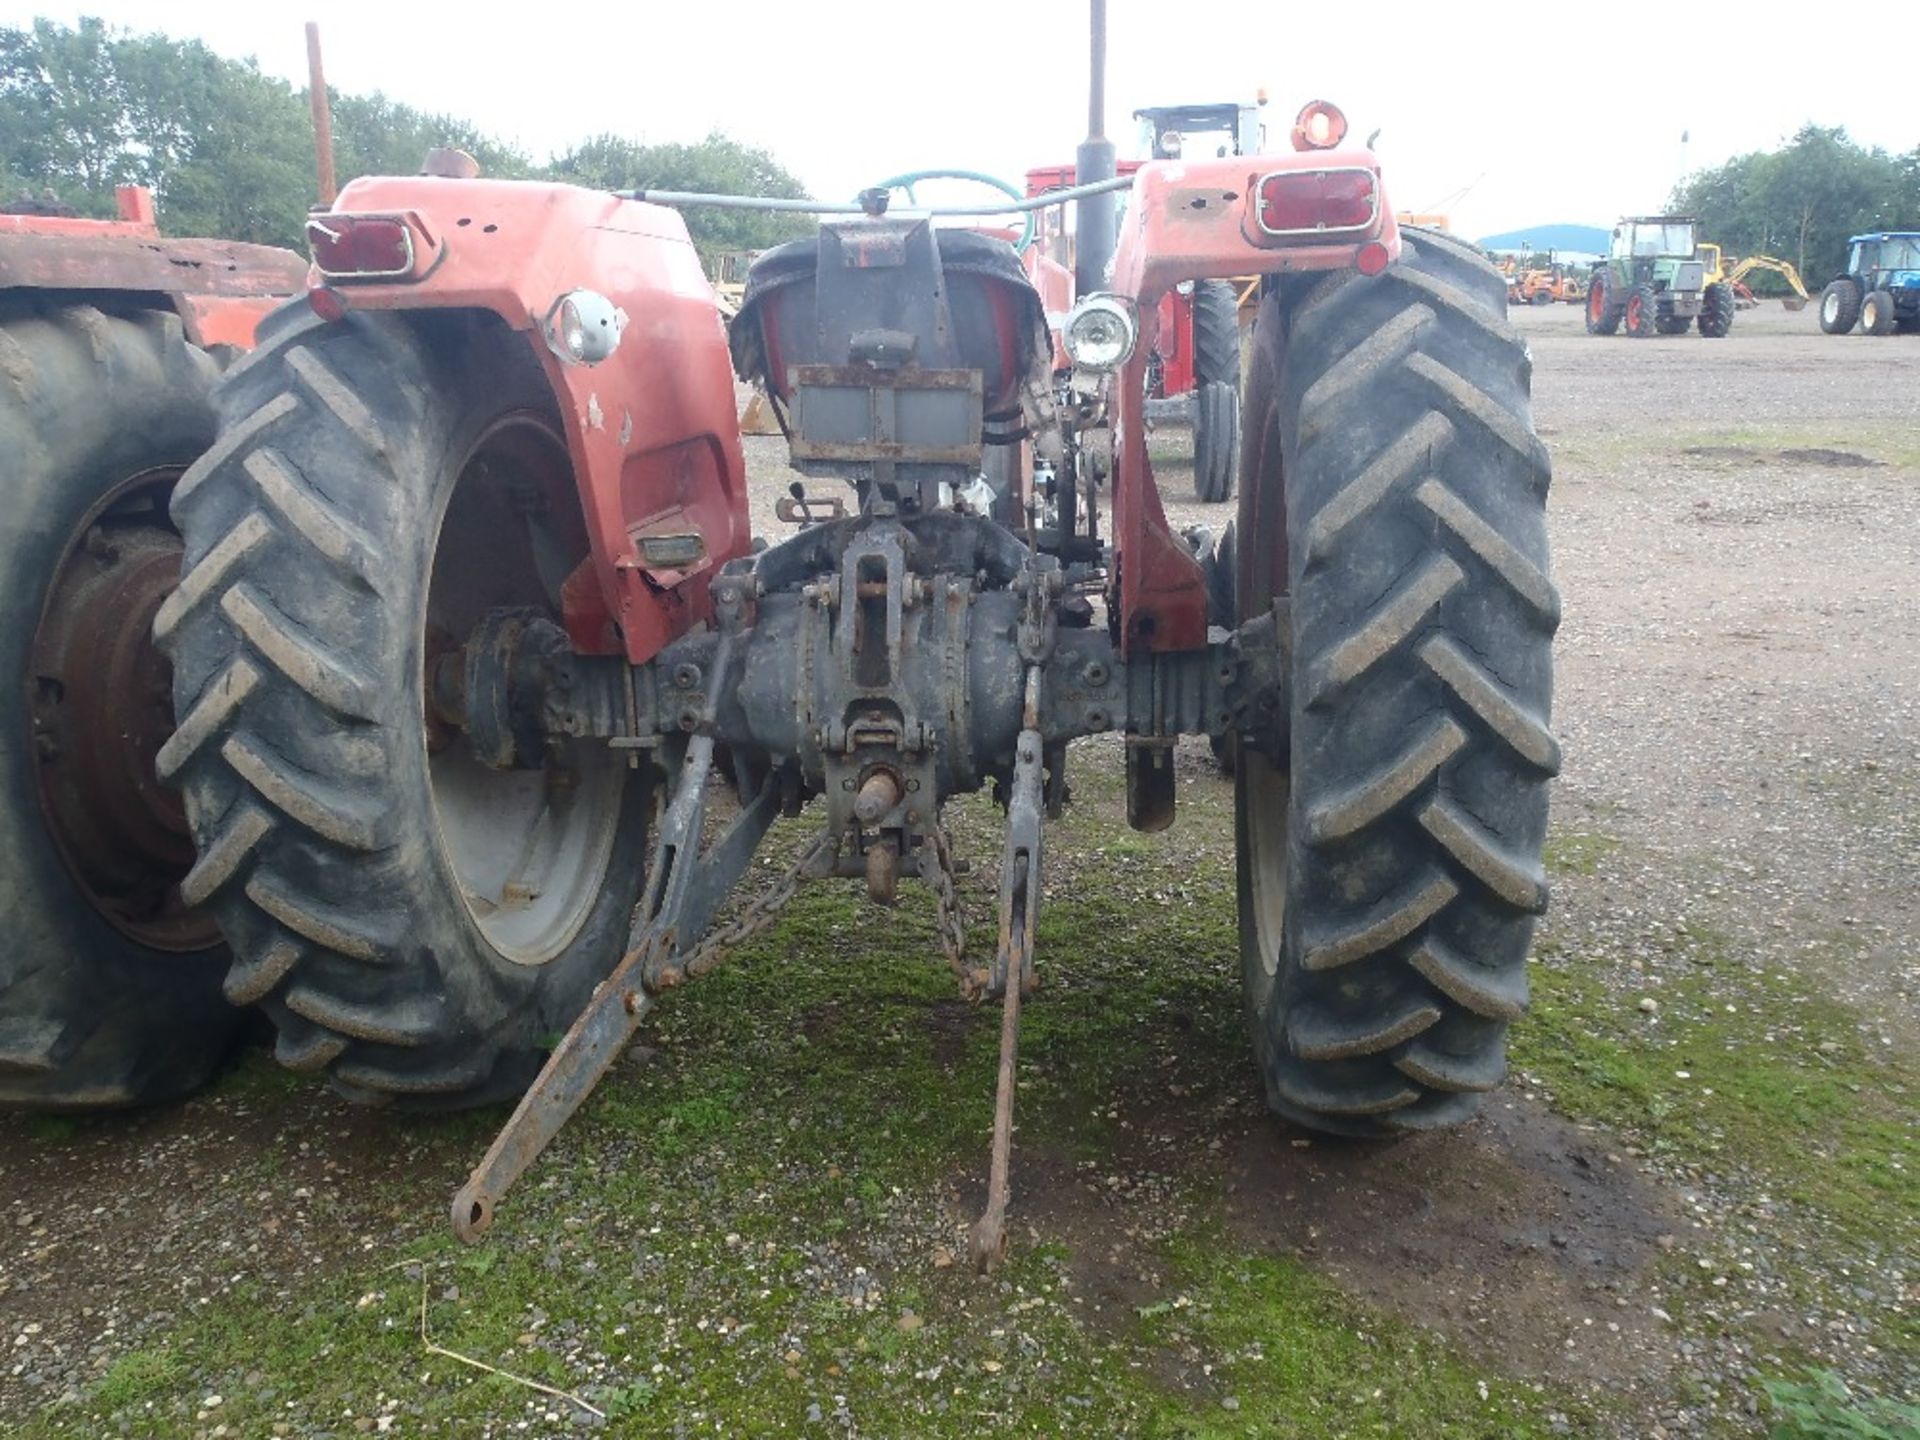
[
  {"x": 1306, "y": 203},
  {"x": 362, "y": 247}
]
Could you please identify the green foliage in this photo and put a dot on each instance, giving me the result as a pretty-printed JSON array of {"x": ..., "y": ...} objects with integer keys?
[
  {"x": 1803, "y": 200},
  {"x": 228, "y": 151},
  {"x": 716, "y": 164},
  {"x": 373, "y": 135},
  {"x": 1821, "y": 1407}
]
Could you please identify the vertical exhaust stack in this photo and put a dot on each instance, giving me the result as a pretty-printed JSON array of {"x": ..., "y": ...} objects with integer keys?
[
  {"x": 1095, "y": 224},
  {"x": 322, "y": 117}
]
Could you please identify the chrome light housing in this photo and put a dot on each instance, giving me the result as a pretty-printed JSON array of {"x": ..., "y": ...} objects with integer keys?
[
  {"x": 1100, "y": 332},
  {"x": 584, "y": 326}
]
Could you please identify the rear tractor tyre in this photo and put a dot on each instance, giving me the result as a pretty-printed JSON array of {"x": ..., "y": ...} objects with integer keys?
[
  {"x": 417, "y": 924},
  {"x": 1877, "y": 313},
  {"x": 1603, "y": 315},
  {"x": 1216, "y": 441},
  {"x": 1840, "y": 306},
  {"x": 1643, "y": 312},
  {"x": 1717, "y": 306},
  {"x": 109, "y": 983},
  {"x": 1389, "y": 842}
]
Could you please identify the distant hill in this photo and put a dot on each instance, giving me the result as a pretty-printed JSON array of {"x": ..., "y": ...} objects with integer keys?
[{"x": 1586, "y": 239}]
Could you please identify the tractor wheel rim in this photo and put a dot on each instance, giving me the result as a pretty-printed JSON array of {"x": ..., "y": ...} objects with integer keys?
[
  {"x": 1634, "y": 311},
  {"x": 1267, "y": 797},
  {"x": 1596, "y": 301},
  {"x": 530, "y": 849},
  {"x": 1830, "y": 308},
  {"x": 101, "y": 704}
]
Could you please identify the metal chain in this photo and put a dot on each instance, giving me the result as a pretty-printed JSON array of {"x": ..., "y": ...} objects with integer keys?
[
  {"x": 761, "y": 913},
  {"x": 953, "y": 930}
]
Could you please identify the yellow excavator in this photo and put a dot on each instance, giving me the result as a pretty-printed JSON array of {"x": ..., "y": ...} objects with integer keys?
[{"x": 1736, "y": 272}]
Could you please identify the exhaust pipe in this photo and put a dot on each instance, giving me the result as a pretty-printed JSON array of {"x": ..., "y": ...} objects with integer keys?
[{"x": 1096, "y": 221}]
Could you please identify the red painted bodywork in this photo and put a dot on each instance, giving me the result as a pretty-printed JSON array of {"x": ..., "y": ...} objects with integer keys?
[
  {"x": 219, "y": 288},
  {"x": 1193, "y": 220},
  {"x": 652, "y": 430}
]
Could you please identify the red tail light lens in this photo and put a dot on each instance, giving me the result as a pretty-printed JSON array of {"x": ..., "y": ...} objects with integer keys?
[
  {"x": 362, "y": 246},
  {"x": 1314, "y": 202}
]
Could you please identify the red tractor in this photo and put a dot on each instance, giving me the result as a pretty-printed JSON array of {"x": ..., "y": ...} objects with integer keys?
[
  {"x": 111, "y": 338},
  {"x": 1193, "y": 370},
  {"x": 470, "y": 587}
]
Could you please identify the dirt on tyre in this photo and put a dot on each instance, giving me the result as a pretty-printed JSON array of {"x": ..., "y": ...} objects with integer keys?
[
  {"x": 1389, "y": 834},
  {"x": 1877, "y": 313},
  {"x": 1717, "y": 308},
  {"x": 109, "y": 981},
  {"x": 1840, "y": 307},
  {"x": 1603, "y": 316},
  {"x": 417, "y": 924}
]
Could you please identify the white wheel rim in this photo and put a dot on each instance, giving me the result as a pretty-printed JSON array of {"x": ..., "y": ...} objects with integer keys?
[{"x": 529, "y": 849}]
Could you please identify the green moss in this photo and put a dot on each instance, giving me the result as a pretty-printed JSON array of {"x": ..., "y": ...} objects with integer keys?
[
  {"x": 1578, "y": 852},
  {"x": 1740, "y": 1067}
]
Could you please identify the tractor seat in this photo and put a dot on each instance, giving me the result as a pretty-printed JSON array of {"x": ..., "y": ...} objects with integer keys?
[{"x": 997, "y": 321}]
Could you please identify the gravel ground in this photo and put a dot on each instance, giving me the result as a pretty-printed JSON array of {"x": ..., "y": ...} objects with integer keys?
[{"x": 1735, "y": 526}]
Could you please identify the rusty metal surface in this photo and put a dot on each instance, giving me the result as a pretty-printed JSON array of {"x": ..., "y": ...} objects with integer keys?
[
  {"x": 143, "y": 263},
  {"x": 1013, "y": 966},
  {"x": 102, "y": 701},
  {"x": 322, "y": 116}
]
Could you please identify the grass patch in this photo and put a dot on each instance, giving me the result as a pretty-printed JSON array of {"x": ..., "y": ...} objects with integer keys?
[
  {"x": 1299, "y": 1359},
  {"x": 1578, "y": 852},
  {"x": 1739, "y": 1067},
  {"x": 740, "y": 1235},
  {"x": 1822, "y": 1407}
]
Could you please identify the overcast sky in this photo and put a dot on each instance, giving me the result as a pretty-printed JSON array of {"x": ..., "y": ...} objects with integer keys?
[{"x": 1504, "y": 120}]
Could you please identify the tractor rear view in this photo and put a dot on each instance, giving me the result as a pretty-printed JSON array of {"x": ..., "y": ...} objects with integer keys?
[
  {"x": 111, "y": 338},
  {"x": 1656, "y": 284},
  {"x": 486, "y": 698}
]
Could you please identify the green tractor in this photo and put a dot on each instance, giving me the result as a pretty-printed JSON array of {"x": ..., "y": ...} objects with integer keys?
[{"x": 1654, "y": 282}]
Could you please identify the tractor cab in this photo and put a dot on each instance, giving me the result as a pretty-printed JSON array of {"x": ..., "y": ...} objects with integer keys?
[
  {"x": 1661, "y": 248},
  {"x": 1174, "y": 132},
  {"x": 1880, "y": 289}
]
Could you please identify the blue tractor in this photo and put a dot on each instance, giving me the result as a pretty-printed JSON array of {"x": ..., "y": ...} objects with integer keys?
[{"x": 1881, "y": 289}]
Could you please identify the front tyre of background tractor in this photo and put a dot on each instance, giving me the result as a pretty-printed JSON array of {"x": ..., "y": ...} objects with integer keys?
[
  {"x": 416, "y": 923},
  {"x": 1389, "y": 844},
  {"x": 1717, "y": 306},
  {"x": 1674, "y": 324},
  {"x": 1603, "y": 314},
  {"x": 1643, "y": 312},
  {"x": 1216, "y": 441},
  {"x": 1840, "y": 306},
  {"x": 1216, "y": 389},
  {"x": 109, "y": 984},
  {"x": 1877, "y": 313}
]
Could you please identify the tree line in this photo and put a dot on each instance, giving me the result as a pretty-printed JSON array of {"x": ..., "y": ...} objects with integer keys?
[
  {"x": 228, "y": 151},
  {"x": 1802, "y": 201}
]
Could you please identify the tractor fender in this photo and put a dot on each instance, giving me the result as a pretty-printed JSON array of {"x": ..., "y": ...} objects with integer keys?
[
  {"x": 1199, "y": 220},
  {"x": 651, "y": 429}
]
